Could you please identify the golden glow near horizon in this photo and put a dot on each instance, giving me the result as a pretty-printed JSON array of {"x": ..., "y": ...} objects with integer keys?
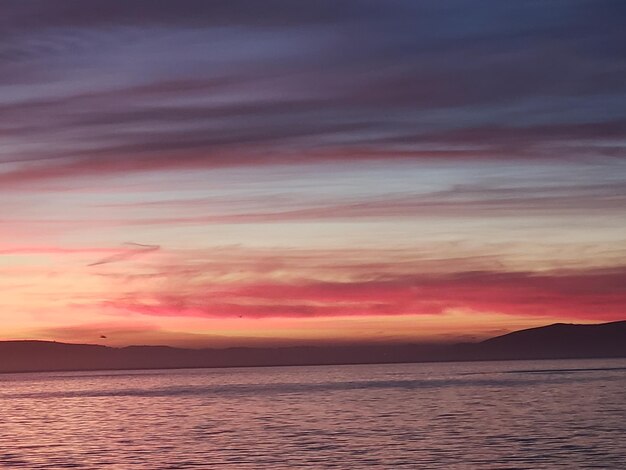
[{"x": 233, "y": 295}]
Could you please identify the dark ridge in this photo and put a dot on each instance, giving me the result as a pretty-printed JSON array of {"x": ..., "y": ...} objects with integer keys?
[{"x": 558, "y": 341}]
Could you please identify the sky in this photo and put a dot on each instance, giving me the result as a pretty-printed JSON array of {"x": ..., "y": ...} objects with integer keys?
[{"x": 243, "y": 173}]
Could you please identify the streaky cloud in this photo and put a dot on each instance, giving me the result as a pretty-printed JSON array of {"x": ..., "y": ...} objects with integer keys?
[{"x": 134, "y": 250}]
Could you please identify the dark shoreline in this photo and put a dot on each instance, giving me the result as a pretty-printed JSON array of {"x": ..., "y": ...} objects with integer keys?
[{"x": 558, "y": 341}]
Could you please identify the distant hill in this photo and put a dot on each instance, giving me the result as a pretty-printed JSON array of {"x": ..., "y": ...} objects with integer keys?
[
  {"x": 548, "y": 342},
  {"x": 560, "y": 340}
]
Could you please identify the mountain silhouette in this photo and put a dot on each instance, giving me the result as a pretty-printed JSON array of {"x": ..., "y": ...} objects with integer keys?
[{"x": 558, "y": 341}]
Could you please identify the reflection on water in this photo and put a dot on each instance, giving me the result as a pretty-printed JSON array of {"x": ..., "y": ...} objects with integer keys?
[{"x": 541, "y": 414}]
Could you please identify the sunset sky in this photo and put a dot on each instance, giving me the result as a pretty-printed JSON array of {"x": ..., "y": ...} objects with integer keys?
[{"x": 219, "y": 173}]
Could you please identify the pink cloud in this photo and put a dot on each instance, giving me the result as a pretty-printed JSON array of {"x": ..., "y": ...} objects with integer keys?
[
  {"x": 53, "y": 250},
  {"x": 597, "y": 294}
]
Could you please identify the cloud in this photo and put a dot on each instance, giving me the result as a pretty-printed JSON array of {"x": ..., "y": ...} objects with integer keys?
[
  {"x": 37, "y": 14},
  {"x": 96, "y": 89},
  {"x": 305, "y": 286},
  {"x": 479, "y": 200},
  {"x": 53, "y": 250},
  {"x": 133, "y": 250}
]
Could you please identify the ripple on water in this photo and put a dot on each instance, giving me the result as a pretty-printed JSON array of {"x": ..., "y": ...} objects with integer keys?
[{"x": 543, "y": 414}]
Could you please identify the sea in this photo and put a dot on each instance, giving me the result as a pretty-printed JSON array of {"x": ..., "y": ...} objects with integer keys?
[{"x": 567, "y": 414}]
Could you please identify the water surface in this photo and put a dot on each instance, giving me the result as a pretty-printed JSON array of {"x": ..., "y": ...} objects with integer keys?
[{"x": 519, "y": 414}]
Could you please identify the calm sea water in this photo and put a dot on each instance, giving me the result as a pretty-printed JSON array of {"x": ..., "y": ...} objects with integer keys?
[{"x": 537, "y": 414}]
